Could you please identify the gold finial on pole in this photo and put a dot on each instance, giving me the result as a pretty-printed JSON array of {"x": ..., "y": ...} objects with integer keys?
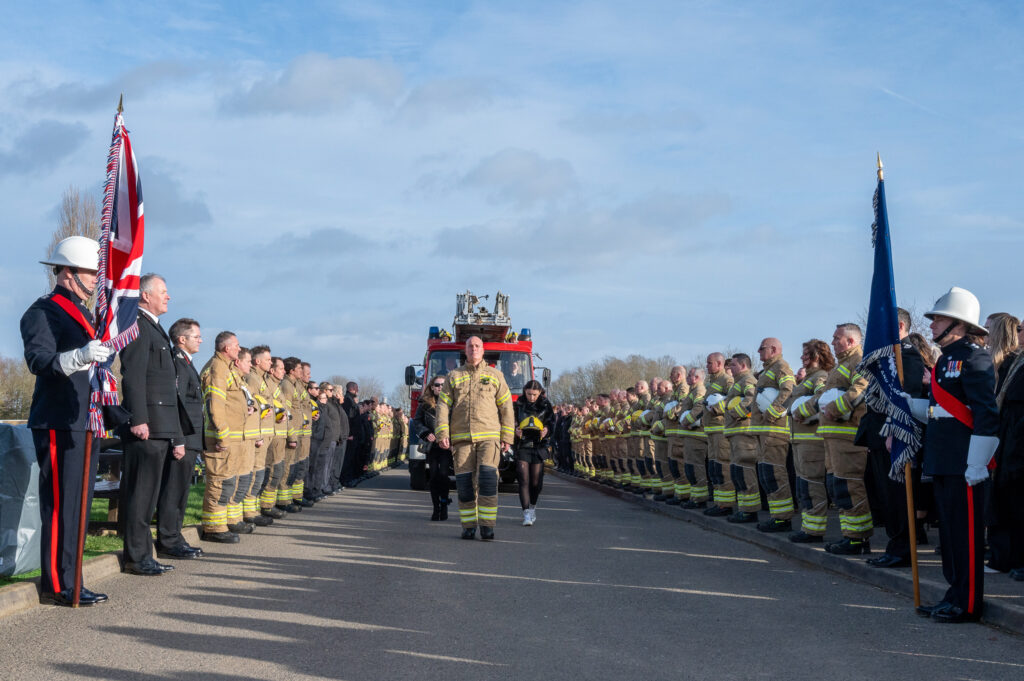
[
  {"x": 880, "y": 167},
  {"x": 120, "y": 104}
]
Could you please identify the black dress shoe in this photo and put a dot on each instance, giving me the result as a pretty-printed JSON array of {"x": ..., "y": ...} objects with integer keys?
[
  {"x": 194, "y": 549},
  {"x": 241, "y": 528},
  {"x": 162, "y": 567},
  {"x": 717, "y": 511},
  {"x": 436, "y": 515},
  {"x": 443, "y": 512},
  {"x": 93, "y": 596},
  {"x": 260, "y": 521},
  {"x": 954, "y": 615},
  {"x": 179, "y": 552},
  {"x": 147, "y": 568},
  {"x": 887, "y": 560},
  {"x": 293, "y": 507},
  {"x": 486, "y": 533},
  {"x": 849, "y": 547},
  {"x": 272, "y": 512},
  {"x": 743, "y": 517},
  {"x": 304, "y": 503},
  {"x": 802, "y": 537},
  {"x": 469, "y": 533},
  {"x": 927, "y": 610},
  {"x": 775, "y": 525},
  {"x": 221, "y": 537}
]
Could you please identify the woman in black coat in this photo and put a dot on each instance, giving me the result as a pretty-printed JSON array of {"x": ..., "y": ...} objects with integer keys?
[
  {"x": 439, "y": 460},
  {"x": 1005, "y": 517},
  {"x": 535, "y": 422}
]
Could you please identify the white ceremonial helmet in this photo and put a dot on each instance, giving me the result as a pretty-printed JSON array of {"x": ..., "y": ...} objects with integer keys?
[
  {"x": 962, "y": 305},
  {"x": 75, "y": 251}
]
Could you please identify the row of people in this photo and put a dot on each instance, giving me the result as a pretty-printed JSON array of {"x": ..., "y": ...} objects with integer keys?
[{"x": 716, "y": 437}]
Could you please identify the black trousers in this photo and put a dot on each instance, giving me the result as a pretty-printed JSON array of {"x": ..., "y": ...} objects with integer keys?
[
  {"x": 1005, "y": 521},
  {"x": 173, "y": 498},
  {"x": 962, "y": 537},
  {"x": 334, "y": 475},
  {"x": 314, "y": 469},
  {"x": 61, "y": 458},
  {"x": 141, "y": 473},
  {"x": 440, "y": 462},
  {"x": 891, "y": 502}
]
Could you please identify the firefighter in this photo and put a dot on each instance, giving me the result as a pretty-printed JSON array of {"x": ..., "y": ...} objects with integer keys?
[
  {"x": 243, "y": 507},
  {"x": 672, "y": 491},
  {"x": 840, "y": 406},
  {"x": 226, "y": 411},
  {"x": 475, "y": 419},
  {"x": 742, "y": 440},
  {"x": 264, "y": 384},
  {"x": 292, "y": 367},
  {"x": 713, "y": 414},
  {"x": 662, "y": 482},
  {"x": 808, "y": 446},
  {"x": 961, "y": 438},
  {"x": 695, "y": 444},
  {"x": 770, "y": 420},
  {"x": 304, "y": 406}
]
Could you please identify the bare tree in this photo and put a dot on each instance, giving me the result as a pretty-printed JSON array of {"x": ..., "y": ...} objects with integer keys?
[
  {"x": 370, "y": 386},
  {"x": 79, "y": 216},
  {"x": 16, "y": 386},
  {"x": 399, "y": 397}
]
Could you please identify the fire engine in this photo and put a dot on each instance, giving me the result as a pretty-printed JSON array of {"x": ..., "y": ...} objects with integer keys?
[{"x": 510, "y": 352}]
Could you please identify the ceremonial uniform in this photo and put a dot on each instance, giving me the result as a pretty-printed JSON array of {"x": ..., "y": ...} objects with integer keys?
[
  {"x": 58, "y": 419},
  {"x": 771, "y": 423},
  {"x": 474, "y": 411},
  {"x": 712, "y": 413},
  {"x": 809, "y": 455},
  {"x": 742, "y": 439},
  {"x": 226, "y": 410},
  {"x": 844, "y": 461},
  {"x": 694, "y": 485}
]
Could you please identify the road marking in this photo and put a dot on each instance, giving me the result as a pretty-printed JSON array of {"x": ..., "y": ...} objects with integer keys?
[
  {"x": 689, "y": 555},
  {"x": 445, "y": 658},
  {"x": 951, "y": 657},
  {"x": 867, "y": 607}
]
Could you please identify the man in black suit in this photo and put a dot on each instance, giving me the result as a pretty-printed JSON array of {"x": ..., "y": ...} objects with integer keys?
[
  {"x": 59, "y": 348},
  {"x": 350, "y": 405},
  {"x": 154, "y": 432},
  {"x": 177, "y": 477}
]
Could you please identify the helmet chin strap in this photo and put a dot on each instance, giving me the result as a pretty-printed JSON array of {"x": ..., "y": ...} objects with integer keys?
[
  {"x": 938, "y": 339},
  {"x": 88, "y": 291}
]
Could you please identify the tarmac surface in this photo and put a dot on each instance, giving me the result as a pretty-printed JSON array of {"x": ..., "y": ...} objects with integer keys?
[{"x": 365, "y": 587}]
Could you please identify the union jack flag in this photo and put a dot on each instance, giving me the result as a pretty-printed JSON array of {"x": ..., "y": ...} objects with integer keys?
[{"x": 121, "y": 244}]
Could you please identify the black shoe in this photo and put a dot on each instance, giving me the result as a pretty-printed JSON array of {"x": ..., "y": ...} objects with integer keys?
[
  {"x": 260, "y": 521},
  {"x": 436, "y": 515},
  {"x": 486, "y": 533},
  {"x": 690, "y": 504},
  {"x": 92, "y": 596},
  {"x": 927, "y": 610},
  {"x": 63, "y": 598},
  {"x": 241, "y": 528},
  {"x": 674, "y": 501},
  {"x": 304, "y": 503},
  {"x": 293, "y": 507},
  {"x": 954, "y": 615},
  {"x": 443, "y": 512},
  {"x": 146, "y": 568},
  {"x": 221, "y": 537},
  {"x": 163, "y": 567},
  {"x": 802, "y": 537},
  {"x": 775, "y": 525},
  {"x": 849, "y": 547},
  {"x": 887, "y": 560},
  {"x": 273, "y": 512},
  {"x": 178, "y": 552},
  {"x": 194, "y": 549},
  {"x": 743, "y": 517},
  {"x": 717, "y": 511},
  {"x": 469, "y": 533}
]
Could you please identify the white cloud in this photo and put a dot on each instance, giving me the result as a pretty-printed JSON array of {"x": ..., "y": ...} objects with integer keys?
[
  {"x": 41, "y": 147},
  {"x": 522, "y": 178}
]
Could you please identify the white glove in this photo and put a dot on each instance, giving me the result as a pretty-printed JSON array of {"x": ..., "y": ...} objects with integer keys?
[
  {"x": 979, "y": 453},
  {"x": 918, "y": 407},
  {"x": 76, "y": 360}
]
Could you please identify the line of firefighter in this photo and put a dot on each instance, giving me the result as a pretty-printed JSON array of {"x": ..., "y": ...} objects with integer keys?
[
  {"x": 713, "y": 437},
  {"x": 258, "y": 425}
]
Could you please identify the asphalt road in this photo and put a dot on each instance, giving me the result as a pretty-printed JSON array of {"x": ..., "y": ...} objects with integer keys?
[{"x": 364, "y": 587}]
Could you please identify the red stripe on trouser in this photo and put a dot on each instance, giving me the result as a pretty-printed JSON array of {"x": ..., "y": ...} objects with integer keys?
[
  {"x": 972, "y": 577},
  {"x": 54, "y": 525}
]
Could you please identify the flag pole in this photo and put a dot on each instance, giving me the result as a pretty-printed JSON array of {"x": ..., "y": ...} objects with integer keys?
[{"x": 907, "y": 477}]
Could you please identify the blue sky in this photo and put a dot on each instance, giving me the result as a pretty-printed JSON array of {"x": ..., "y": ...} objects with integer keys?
[{"x": 667, "y": 178}]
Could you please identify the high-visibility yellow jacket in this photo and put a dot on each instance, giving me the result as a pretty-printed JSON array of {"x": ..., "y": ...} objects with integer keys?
[
  {"x": 713, "y": 417},
  {"x": 224, "y": 402},
  {"x": 809, "y": 387},
  {"x": 274, "y": 386},
  {"x": 305, "y": 407},
  {"x": 691, "y": 425},
  {"x": 773, "y": 423},
  {"x": 290, "y": 400},
  {"x": 475, "y": 405},
  {"x": 259, "y": 386},
  {"x": 737, "y": 405},
  {"x": 845, "y": 378}
]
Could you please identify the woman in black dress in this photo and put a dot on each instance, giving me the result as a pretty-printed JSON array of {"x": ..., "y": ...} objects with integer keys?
[
  {"x": 438, "y": 460},
  {"x": 535, "y": 421}
]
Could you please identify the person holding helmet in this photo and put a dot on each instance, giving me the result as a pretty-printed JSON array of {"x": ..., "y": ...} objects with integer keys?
[
  {"x": 57, "y": 331},
  {"x": 535, "y": 420},
  {"x": 961, "y": 438}
]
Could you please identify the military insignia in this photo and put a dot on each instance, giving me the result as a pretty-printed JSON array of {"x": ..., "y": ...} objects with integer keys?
[{"x": 953, "y": 368}]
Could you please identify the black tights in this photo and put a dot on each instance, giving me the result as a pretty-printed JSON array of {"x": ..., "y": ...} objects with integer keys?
[
  {"x": 440, "y": 461},
  {"x": 531, "y": 479}
]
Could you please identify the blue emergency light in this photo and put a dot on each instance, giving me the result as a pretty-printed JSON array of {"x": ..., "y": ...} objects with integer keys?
[
  {"x": 435, "y": 332},
  {"x": 524, "y": 334}
]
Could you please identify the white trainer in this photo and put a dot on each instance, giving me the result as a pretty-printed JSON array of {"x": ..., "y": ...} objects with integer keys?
[
  {"x": 527, "y": 518},
  {"x": 533, "y": 515}
]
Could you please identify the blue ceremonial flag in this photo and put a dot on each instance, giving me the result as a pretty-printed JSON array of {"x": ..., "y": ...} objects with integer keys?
[{"x": 881, "y": 343}]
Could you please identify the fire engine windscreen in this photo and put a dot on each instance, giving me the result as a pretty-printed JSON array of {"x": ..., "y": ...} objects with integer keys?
[{"x": 515, "y": 365}]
